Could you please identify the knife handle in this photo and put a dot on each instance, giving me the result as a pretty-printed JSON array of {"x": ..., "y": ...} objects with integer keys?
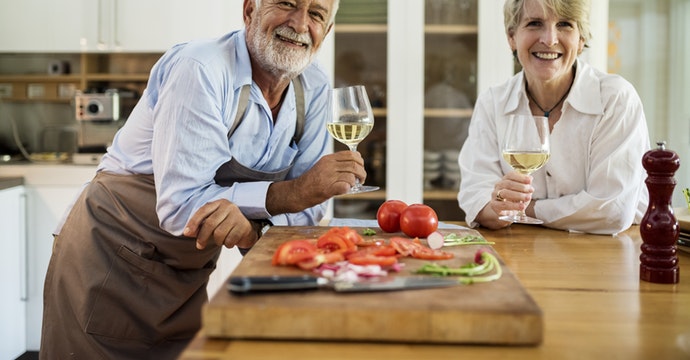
[{"x": 246, "y": 284}]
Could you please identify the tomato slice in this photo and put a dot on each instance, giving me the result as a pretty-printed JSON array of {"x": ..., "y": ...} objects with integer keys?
[
  {"x": 381, "y": 250},
  {"x": 321, "y": 258},
  {"x": 333, "y": 243},
  {"x": 294, "y": 251},
  {"x": 403, "y": 246},
  {"x": 371, "y": 259},
  {"x": 417, "y": 250},
  {"x": 349, "y": 234},
  {"x": 426, "y": 253}
]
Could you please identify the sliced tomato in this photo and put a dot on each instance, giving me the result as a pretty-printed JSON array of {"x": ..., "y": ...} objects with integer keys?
[
  {"x": 417, "y": 250},
  {"x": 426, "y": 253},
  {"x": 403, "y": 246},
  {"x": 321, "y": 258},
  {"x": 294, "y": 251},
  {"x": 371, "y": 259},
  {"x": 334, "y": 243},
  {"x": 350, "y": 234},
  {"x": 381, "y": 250}
]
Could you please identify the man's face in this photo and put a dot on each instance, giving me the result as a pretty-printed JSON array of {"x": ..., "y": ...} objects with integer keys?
[{"x": 284, "y": 36}]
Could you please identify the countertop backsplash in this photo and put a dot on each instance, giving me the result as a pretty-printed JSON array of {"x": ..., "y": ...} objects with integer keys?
[{"x": 41, "y": 127}]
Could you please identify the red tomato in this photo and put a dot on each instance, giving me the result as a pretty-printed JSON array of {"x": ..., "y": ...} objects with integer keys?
[
  {"x": 294, "y": 251},
  {"x": 418, "y": 220},
  {"x": 388, "y": 215},
  {"x": 370, "y": 259}
]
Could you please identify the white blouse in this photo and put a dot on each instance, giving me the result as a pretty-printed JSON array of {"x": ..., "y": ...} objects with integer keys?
[{"x": 594, "y": 179}]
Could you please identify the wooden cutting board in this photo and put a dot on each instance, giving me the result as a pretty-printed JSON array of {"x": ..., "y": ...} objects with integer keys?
[{"x": 498, "y": 312}]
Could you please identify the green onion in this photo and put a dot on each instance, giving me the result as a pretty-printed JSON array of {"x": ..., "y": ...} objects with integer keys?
[
  {"x": 474, "y": 272},
  {"x": 368, "y": 232},
  {"x": 453, "y": 239}
]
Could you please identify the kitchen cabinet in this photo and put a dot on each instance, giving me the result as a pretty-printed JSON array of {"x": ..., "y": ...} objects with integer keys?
[
  {"x": 422, "y": 64},
  {"x": 13, "y": 272},
  {"x": 112, "y": 25}
]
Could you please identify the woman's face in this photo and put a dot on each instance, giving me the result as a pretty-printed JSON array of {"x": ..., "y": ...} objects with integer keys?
[{"x": 547, "y": 46}]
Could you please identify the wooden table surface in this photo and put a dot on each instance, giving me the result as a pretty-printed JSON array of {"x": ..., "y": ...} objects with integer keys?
[{"x": 595, "y": 307}]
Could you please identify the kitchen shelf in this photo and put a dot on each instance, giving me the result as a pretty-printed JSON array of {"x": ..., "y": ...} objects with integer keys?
[
  {"x": 88, "y": 72},
  {"x": 117, "y": 77},
  {"x": 451, "y": 29},
  {"x": 361, "y": 28},
  {"x": 447, "y": 113}
]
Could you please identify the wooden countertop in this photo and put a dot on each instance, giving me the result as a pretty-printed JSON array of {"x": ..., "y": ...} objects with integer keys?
[{"x": 588, "y": 287}]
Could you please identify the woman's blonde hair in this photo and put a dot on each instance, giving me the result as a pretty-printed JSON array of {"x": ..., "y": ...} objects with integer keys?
[{"x": 576, "y": 10}]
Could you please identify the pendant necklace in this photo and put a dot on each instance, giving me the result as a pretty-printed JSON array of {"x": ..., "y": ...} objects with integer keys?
[{"x": 548, "y": 112}]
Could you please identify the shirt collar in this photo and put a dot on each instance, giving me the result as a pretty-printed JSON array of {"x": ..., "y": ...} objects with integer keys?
[
  {"x": 243, "y": 69},
  {"x": 584, "y": 97}
]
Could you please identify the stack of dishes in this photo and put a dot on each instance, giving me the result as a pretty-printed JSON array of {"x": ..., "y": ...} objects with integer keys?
[
  {"x": 451, "y": 169},
  {"x": 433, "y": 163}
]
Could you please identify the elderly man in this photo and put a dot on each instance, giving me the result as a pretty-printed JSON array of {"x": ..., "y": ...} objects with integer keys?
[{"x": 228, "y": 137}]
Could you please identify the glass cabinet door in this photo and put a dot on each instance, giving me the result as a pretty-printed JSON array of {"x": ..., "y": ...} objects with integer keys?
[
  {"x": 361, "y": 59},
  {"x": 450, "y": 91},
  {"x": 418, "y": 62}
]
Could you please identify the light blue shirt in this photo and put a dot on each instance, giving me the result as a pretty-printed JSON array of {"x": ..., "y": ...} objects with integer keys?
[{"x": 178, "y": 132}]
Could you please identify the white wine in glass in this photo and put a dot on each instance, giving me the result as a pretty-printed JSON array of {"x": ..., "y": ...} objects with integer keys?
[
  {"x": 526, "y": 150},
  {"x": 352, "y": 121}
]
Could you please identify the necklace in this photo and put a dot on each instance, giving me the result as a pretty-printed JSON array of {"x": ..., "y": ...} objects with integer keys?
[{"x": 548, "y": 112}]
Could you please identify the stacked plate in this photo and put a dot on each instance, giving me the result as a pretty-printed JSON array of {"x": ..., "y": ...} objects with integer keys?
[
  {"x": 451, "y": 169},
  {"x": 433, "y": 166}
]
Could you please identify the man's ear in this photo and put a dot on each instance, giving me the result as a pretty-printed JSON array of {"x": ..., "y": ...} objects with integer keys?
[{"x": 247, "y": 11}]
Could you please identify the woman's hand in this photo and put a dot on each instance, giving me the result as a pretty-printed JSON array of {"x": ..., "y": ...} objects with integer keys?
[
  {"x": 512, "y": 193},
  {"x": 221, "y": 222}
]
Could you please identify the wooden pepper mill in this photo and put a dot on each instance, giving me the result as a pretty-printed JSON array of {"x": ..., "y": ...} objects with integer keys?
[{"x": 659, "y": 227}]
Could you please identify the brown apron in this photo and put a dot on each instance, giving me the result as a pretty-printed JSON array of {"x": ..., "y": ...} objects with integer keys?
[{"x": 120, "y": 287}]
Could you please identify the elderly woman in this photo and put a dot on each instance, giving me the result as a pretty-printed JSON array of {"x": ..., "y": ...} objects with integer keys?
[{"x": 594, "y": 179}]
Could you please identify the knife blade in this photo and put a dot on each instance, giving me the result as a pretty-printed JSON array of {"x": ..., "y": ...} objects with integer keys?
[{"x": 249, "y": 284}]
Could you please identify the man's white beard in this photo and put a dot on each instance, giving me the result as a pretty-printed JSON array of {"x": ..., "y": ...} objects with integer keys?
[{"x": 277, "y": 58}]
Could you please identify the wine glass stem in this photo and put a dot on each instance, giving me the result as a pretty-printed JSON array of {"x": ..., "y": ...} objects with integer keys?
[{"x": 357, "y": 183}]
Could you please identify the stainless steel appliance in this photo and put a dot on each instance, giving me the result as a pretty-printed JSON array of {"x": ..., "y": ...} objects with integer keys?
[{"x": 98, "y": 116}]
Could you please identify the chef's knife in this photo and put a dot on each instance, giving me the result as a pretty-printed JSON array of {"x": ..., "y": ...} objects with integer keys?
[{"x": 247, "y": 284}]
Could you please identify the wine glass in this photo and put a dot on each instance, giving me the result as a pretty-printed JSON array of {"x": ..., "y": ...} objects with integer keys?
[
  {"x": 526, "y": 149},
  {"x": 352, "y": 121}
]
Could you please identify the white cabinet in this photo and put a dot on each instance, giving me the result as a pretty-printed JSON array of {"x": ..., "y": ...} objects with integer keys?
[
  {"x": 13, "y": 273},
  {"x": 46, "y": 205},
  {"x": 112, "y": 25},
  {"x": 154, "y": 25}
]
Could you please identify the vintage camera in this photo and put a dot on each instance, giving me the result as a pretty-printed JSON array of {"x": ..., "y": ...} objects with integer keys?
[{"x": 97, "y": 106}]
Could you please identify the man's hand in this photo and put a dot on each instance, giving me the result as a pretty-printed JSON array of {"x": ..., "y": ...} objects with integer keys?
[
  {"x": 222, "y": 223},
  {"x": 334, "y": 174}
]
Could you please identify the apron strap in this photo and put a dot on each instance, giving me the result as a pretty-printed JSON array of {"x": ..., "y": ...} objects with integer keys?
[
  {"x": 241, "y": 108},
  {"x": 299, "y": 99},
  {"x": 299, "y": 102}
]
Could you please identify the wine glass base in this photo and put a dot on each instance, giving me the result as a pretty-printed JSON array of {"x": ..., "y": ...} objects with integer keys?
[
  {"x": 521, "y": 219},
  {"x": 362, "y": 189}
]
